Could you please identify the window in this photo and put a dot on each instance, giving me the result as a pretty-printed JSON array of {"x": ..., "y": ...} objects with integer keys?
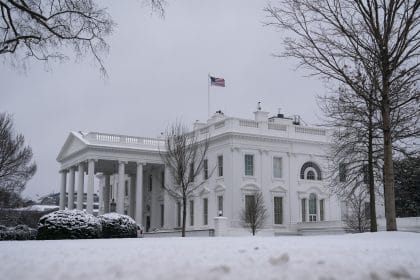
[
  {"x": 150, "y": 182},
  {"x": 220, "y": 165},
  {"x": 306, "y": 169},
  {"x": 163, "y": 179},
  {"x": 321, "y": 210},
  {"x": 277, "y": 167},
  {"x": 310, "y": 175},
  {"x": 126, "y": 188},
  {"x": 191, "y": 173},
  {"x": 249, "y": 206},
  {"x": 303, "y": 209},
  {"x": 342, "y": 172},
  {"x": 205, "y": 211},
  {"x": 178, "y": 212},
  {"x": 206, "y": 169},
  {"x": 111, "y": 192},
  {"x": 312, "y": 207},
  {"x": 249, "y": 165},
  {"x": 220, "y": 205},
  {"x": 365, "y": 173},
  {"x": 278, "y": 210},
  {"x": 162, "y": 215},
  {"x": 367, "y": 209},
  {"x": 191, "y": 212}
]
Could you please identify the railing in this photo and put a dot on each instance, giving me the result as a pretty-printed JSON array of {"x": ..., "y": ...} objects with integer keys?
[
  {"x": 219, "y": 125},
  {"x": 248, "y": 123},
  {"x": 125, "y": 140},
  {"x": 276, "y": 126},
  {"x": 312, "y": 131}
]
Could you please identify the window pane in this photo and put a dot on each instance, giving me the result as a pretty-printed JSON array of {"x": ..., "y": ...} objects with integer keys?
[
  {"x": 278, "y": 210},
  {"x": 303, "y": 209},
  {"x": 205, "y": 211},
  {"x": 162, "y": 215},
  {"x": 321, "y": 210},
  {"x": 342, "y": 172},
  {"x": 277, "y": 167},
  {"x": 249, "y": 207},
  {"x": 220, "y": 165},
  {"x": 191, "y": 212},
  {"x": 312, "y": 204},
  {"x": 310, "y": 175},
  {"x": 206, "y": 169},
  {"x": 249, "y": 165},
  {"x": 220, "y": 205},
  {"x": 179, "y": 214}
]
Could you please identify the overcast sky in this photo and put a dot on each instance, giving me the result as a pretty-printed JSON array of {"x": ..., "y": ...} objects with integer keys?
[{"x": 157, "y": 72}]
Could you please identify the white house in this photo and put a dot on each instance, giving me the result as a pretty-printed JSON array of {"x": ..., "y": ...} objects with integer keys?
[{"x": 276, "y": 155}]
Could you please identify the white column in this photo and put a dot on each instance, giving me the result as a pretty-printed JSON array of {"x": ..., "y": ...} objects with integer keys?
[
  {"x": 106, "y": 192},
  {"x": 318, "y": 210},
  {"x": 132, "y": 196},
  {"x": 101, "y": 193},
  {"x": 63, "y": 189},
  {"x": 70, "y": 204},
  {"x": 91, "y": 177},
  {"x": 139, "y": 194},
  {"x": 307, "y": 209},
  {"x": 80, "y": 183},
  {"x": 121, "y": 186}
]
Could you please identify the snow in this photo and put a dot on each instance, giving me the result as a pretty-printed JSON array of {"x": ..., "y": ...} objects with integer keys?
[
  {"x": 40, "y": 208},
  {"x": 383, "y": 255}
]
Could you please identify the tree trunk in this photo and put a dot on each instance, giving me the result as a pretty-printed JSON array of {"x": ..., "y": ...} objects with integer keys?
[
  {"x": 184, "y": 213},
  {"x": 371, "y": 180},
  {"x": 389, "y": 195}
]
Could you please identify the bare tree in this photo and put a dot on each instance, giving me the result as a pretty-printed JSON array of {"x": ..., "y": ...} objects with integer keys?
[
  {"x": 356, "y": 150},
  {"x": 16, "y": 166},
  {"x": 43, "y": 29},
  {"x": 340, "y": 39},
  {"x": 254, "y": 214},
  {"x": 184, "y": 156},
  {"x": 357, "y": 217}
]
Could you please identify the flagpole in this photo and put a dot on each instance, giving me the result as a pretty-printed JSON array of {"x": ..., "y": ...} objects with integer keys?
[{"x": 208, "y": 96}]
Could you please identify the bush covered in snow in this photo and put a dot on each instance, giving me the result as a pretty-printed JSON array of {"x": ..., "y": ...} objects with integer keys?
[
  {"x": 68, "y": 224},
  {"x": 118, "y": 226},
  {"x": 19, "y": 232}
]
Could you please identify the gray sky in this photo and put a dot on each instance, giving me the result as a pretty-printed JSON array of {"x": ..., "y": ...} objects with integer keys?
[{"x": 157, "y": 72}]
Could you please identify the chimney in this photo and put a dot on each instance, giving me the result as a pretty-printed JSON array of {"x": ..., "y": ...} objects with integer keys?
[{"x": 260, "y": 116}]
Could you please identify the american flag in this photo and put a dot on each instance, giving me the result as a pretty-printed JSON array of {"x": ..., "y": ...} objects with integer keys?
[{"x": 218, "y": 82}]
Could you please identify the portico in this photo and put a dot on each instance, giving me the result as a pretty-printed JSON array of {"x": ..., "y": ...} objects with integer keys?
[{"x": 118, "y": 167}]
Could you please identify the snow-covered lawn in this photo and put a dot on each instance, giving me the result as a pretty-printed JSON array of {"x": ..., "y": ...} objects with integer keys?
[{"x": 383, "y": 255}]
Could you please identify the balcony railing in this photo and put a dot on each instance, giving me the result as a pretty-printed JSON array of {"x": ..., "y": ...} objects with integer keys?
[
  {"x": 227, "y": 125},
  {"x": 96, "y": 137}
]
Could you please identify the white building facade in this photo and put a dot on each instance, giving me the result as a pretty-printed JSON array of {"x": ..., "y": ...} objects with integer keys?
[{"x": 275, "y": 155}]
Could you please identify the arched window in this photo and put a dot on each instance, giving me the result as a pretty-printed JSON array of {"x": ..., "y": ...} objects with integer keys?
[
  {"x": 310, "y": 175},
  {"x": 310, "y": 171},
  {"x": 312, "y": 207}
]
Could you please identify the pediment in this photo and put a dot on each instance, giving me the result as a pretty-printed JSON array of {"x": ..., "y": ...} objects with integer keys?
[
  {"x": 72, "y": 145},
  {"x": 219, "y": 188},
  {"x": 204, "y": 191},
  {"x": 250, "y": 187},
  {"x": 278, "y": 189}
]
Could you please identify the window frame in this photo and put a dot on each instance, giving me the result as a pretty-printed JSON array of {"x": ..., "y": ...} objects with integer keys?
[
  {"x": 205, "y": 211},
  {"x": 281, "y": 167},
  {"x": 276, "y": 213},
  {"x": 206, "y": 169},
  {"x": 191, "y": 212},
  {"x": 220, "y": 165},
  {"x": 249, "y": 165}
]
